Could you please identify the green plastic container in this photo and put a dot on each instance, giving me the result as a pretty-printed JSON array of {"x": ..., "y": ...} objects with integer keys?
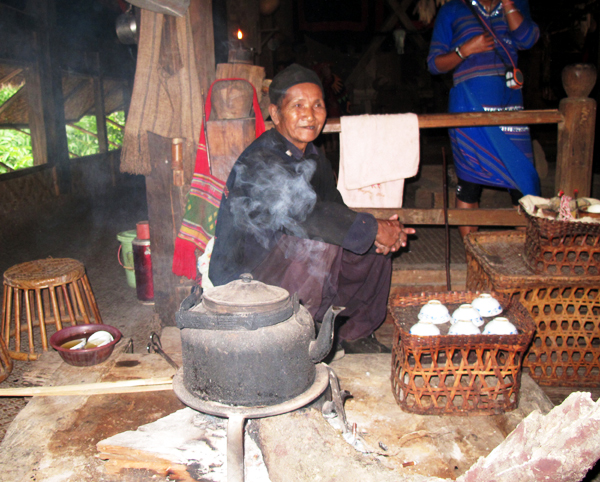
[{"x": 126, "y": 253}]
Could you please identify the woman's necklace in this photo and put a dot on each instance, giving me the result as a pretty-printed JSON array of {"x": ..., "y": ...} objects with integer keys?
[{"x": 486, "y": 7}]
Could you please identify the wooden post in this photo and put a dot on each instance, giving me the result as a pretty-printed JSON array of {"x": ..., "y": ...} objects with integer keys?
[
  {"x": 39, "y": 143},
  {"x": 101, "y": 129},
  {"x": 99, "y": 106},
  {"x": 165, "y": 211},
  {"x": 575, "y": 143},
  {"x": 53, "y": 105}
]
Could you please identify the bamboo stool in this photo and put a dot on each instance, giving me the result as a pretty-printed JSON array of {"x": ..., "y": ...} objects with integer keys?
[
  {"x": 42, "y": 292},
  {"x": 6, "y": 363}
]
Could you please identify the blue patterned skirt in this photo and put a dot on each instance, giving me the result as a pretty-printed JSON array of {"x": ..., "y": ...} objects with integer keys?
[{"x": 494, "y": 155}]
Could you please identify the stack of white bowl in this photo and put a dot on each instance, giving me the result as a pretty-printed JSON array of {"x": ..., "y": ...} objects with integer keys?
[
  {"x": 432, "y": 314},
  {"x": 467, "y": 319}
]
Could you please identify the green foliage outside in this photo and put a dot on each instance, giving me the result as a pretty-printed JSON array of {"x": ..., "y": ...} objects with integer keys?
[
  {"x": 15, "y": 146},
  {"x": 84, "y": 144},
  {"x": 15, "y": 150},
  {"x": 7, "y": 92}
]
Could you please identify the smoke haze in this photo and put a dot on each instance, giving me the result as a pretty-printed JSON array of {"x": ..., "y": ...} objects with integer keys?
[{"x": 278, "y": 198}]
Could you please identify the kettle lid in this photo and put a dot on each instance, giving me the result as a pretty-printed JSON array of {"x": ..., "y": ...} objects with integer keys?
[{"x": 246, "y": 295}]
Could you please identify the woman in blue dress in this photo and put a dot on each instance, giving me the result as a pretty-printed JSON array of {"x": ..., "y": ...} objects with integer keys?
[{"x": 479, "y": 41}]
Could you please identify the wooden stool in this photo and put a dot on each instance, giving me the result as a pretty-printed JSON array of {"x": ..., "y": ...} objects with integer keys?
[
  {"x": 6, "y": 363},
  {"x": 43, "y": 292}
]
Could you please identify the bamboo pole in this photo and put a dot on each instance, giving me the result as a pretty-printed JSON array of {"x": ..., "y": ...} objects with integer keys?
[{"x": 100, "y": 388}]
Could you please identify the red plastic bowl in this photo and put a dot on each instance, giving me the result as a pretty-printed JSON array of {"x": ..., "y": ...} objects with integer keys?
[{"x": 84, "y": 358}]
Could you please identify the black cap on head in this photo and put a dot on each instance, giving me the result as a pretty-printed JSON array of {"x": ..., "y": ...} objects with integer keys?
[{"x": 288, "y": 77}]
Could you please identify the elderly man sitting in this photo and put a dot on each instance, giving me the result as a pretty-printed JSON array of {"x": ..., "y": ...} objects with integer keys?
[{"x": 283, "y": 220}]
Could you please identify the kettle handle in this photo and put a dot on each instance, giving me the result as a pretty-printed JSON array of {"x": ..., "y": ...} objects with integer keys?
[{"x": 191, "y": 299}]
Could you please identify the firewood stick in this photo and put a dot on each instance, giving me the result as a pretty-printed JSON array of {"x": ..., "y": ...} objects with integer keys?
[{"x": 121, "y": 386}]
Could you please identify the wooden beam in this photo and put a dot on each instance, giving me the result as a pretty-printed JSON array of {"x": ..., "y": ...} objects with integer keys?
[
  {"x": 85, "y": 131},
  {"x": 11, "y": 75},
  {"x": 80, "y": 86},
  {"x": 467, "y": 119},
  {"x": 6, "y": 166},
  {"x": 456, "y": 217},
  {"x": 473, "y": 119},
  {"x": 116, "y": 124}
]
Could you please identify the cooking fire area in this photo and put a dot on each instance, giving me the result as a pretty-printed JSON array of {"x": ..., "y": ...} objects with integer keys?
[{"x": 306, "y": 420}]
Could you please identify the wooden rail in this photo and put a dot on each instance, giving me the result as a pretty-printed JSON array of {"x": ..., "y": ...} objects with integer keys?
[
  {"x": 575, "y": 119},
  {"x": 462, "y": 217},
  {"x": 456, "y": 217},
  {"x": 473, "y": 119}
]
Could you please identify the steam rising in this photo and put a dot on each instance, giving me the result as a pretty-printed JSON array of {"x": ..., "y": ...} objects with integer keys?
[{"x": 275, "y": 197}]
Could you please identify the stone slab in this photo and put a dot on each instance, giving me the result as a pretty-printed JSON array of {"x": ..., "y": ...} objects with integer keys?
[{"x": 302, "y": 446}]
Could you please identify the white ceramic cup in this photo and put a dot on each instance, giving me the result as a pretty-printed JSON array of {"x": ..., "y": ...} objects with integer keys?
[
  {"x": 424, "y": 328},
  {"x": 464, "y": 327},
  {"x": 435, "y": 312},
  {"x": 487, "y": 305},
  {"x": 466, "y": 312},
  {"x": 500, "y": 326}
]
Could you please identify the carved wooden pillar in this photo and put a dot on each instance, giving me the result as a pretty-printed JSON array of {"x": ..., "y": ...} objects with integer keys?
[{"x": 576, "y": 133}]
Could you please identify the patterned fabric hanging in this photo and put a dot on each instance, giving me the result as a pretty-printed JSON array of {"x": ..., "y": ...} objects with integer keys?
[{"x": 204, "y": 198}]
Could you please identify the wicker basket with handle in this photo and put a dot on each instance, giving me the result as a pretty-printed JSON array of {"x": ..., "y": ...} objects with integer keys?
[{"x": 457, "y": 374}]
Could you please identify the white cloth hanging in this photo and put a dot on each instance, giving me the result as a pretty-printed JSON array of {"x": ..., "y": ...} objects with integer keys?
[{"x": 377, "y": 153}]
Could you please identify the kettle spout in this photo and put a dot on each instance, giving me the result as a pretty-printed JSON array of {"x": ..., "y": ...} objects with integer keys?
[{"x": 319, "y": 348}]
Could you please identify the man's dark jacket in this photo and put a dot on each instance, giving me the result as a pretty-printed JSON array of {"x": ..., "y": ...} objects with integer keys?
[{"x": 275, "y": 189}]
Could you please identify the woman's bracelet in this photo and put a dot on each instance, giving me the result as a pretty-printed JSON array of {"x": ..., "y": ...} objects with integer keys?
[
  {"x": 512, "y": 10},
  {"x": 457, "y": 50}
]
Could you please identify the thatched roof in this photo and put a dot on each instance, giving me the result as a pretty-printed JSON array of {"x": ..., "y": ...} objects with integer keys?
[{"x": 78, "y": 92}]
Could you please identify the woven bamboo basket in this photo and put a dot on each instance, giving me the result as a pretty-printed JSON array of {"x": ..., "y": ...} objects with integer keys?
[
  {"x": 565, "y": 309},
  {"x": 457, "y": 374},
  {"x": 564, "y": 248}
]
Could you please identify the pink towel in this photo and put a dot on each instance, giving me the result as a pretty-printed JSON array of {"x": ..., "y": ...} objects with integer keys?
[{"x": 377, "y": 152}]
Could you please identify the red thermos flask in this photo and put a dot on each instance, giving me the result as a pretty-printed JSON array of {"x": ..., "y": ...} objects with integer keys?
[{"x": 142, "y": 263}]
